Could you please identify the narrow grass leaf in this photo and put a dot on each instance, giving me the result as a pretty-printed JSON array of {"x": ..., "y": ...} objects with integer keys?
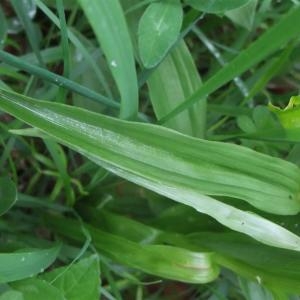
[
  {"x": 274, "y": 38},
  {"x": 174, "y": 165},
  {"x": 23, "y": 10},
  {"x": 177, "y": 78},
  {"x": 60, "y": 162},
  {"x": 56, "y": 79},
  {"x": 159, "y": 28},
  {"x": 3, "y": 28},
  {"x": 79, "y": 45},
  {"x": 109, "y": 24},
  {"x": 216, "y": 6},
  {"x": 8, "y": 194},
  {"x": 23, "y": 264}
]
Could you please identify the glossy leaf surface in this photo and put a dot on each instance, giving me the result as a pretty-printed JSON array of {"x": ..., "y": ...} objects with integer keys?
[
  {"x": 147, "y": 155},
  {"x": 159, "y": 29}
]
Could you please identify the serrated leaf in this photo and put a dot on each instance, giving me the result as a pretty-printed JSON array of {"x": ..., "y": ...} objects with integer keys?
[
  {"x": 159, "y": 29},
  {"x": 216, "y": 6},
  {"x": 8, "y": 194}
]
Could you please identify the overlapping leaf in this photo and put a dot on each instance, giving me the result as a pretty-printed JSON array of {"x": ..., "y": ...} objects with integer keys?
[
  {"x": 159, "y": 29},
  {"x": 177, "y": 166},
  {"x": 109, "y": 24}
]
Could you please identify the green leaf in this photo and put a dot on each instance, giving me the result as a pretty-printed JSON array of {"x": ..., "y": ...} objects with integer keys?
[
  {"x": 23, "y": 264},
  {"x": 174, "y": 165},
  {"x": 12, "y": 295},
  {"x": 174, "y": 79},
  {"x": 3, "y": 28},
  {"x": 24, "y": 10},
  {"x": 274, "y": 38},
  {"x": 216, "y": 6},
  {"x": 79, "y": 281},
  {"x": 243, "y": 16},
  {"x": 160, "y": 260},
  {"x": 159, "y": 28},
  {"x": 109, "y": 24},
  {"x": 36, "y": 289},
  {"x": 8, "y": 194},
  {"x": 260, "y": 262},
  {"x": 274, "y": 268}
]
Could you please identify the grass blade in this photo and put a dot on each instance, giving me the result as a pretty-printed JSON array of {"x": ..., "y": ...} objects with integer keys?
[
  {"x": 23, "y": 14},
  {"x": 8, "y": 194},
  {"x": 109, "y": 24},
  {"x": 78, "y": 44},
  {"x": 56, "y": 79},
  {"x": 268, "y": 43},
  {"x": 177, "y": 78}
]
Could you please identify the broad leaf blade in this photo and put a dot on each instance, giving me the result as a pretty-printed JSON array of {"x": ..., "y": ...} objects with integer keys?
[
  {"x": 77, "y": 282},
  {"x": 8, "y": 194},
  {"x": 177, "y": 166},
  {"x": 160, "y": 260},
  {"x": 159, "y": 29},
  {"x": 109, "y": 24},
  {"x": 19, "y": 265},
  {"x": 34, "y": 289}
]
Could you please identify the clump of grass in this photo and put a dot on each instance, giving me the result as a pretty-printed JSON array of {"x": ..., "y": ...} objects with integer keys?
[{"x": 153, "y": 166}]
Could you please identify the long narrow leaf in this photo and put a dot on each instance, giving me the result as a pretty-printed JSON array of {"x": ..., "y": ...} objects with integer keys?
[
  {"x": 177, "y": 78},
  {"x": 268, "y": 43},
  {"x": 177, "y": 166},
  {"x": 109, "y": 24}
]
